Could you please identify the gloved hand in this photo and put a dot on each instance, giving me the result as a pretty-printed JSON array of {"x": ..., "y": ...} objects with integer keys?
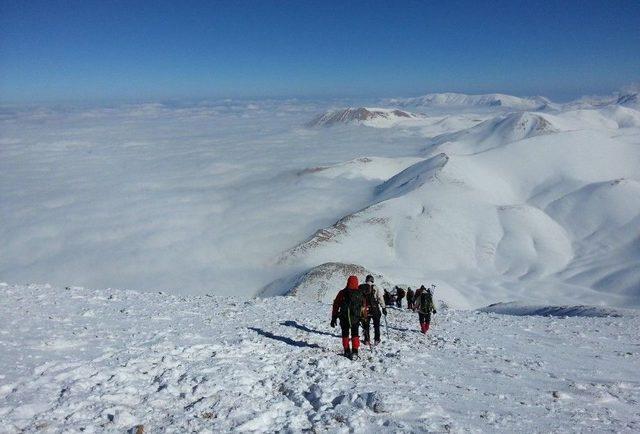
[
  {"x": 333, "y": 322},
  {"x": 434, "y": 311},
  {"x": 384, "y": 311}
]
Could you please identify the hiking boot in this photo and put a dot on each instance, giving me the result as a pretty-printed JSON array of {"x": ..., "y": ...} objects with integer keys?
[
  {"x": 347, "y": 353},
  {"x": 354, "y": 355}
]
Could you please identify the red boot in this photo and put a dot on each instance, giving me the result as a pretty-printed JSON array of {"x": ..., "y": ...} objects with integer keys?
[
  {"x": 345, "y": 345},
  {"x": 355, "y": 343}
]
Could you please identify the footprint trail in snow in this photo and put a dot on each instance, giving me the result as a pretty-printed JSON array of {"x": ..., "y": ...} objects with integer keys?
[{"x": 83, "y": 360}]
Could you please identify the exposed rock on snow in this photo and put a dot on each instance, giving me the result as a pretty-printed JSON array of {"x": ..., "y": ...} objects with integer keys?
[
  {"x": 630, "y": 100},
  {"x": 321, "y": 283},
  {"x": 519, "y": 309},
  {"x": 366, "y": 116}
]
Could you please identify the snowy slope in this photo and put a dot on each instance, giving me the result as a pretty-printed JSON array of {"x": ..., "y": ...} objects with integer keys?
[
  {"x": 112, "y": 361},
  {"x": 498, "y": 131},
  {"x": 499, "y": 216}
]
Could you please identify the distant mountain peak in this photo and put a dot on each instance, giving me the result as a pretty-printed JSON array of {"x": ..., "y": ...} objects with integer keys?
[{"x": 359, "y": 115}]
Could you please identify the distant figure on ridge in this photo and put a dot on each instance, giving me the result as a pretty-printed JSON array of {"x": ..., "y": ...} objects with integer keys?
[
  {"x": 410, "y": 298},
  {"x": 347, "y": 307},
  {"x": 375, "y": 305},
  {"x": 387, "y": 298},
  {"x": 399, "y": 296}
]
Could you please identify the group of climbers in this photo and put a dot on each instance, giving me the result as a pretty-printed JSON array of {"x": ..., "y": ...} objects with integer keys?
[{"x": 358, "y": 306}]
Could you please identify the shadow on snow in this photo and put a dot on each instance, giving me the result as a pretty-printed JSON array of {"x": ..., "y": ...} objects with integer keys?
[
  {"x": 286, "y": 340},
  {"x": 307, "y": 328}
]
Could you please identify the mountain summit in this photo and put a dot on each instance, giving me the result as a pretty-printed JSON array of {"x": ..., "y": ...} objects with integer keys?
[{"x": 361, "y": 115}]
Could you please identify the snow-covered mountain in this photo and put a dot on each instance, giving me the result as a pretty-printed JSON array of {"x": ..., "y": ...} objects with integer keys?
[
  {"x": 375, "y": 117},
  {"x": 499, "y": 131},
  {"x": 453, "y": 100},
  {"x": 530, "y": 202},
  {"x": 627, "y": 99}
]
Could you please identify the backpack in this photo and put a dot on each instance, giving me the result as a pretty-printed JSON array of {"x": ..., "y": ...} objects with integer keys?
[
  {"x": 353, "y": 303},
  {"x": 426, "y": 302},
  {"x": 371, "y": 302}
]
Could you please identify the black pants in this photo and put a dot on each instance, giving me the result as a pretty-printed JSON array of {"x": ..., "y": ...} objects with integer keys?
[
  {"x": 376, "y": 328},
  {"x": 346, "y": 328},
  {"x": 399, "y": 301},
  {"x": 424, "y": 318}
]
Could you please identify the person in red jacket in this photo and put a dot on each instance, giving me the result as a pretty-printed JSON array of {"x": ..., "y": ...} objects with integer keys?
[{"x": 347, "y": 307}]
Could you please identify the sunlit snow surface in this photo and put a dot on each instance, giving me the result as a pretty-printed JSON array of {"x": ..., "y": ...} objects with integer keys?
[
  {"x": 109, "y": 360},
  {"x": 490, "y": 202}
]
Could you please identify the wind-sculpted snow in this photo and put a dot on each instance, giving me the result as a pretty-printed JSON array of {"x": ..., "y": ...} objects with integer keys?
[
  {"x": 86, "y": 360},
  {"x": 519, "y": 309},
  {"x": 411, "y": 178}
]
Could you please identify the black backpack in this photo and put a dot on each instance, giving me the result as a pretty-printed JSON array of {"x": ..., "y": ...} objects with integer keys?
[
  {"x": 352, "y": 305},
  {"x": 426, "y": 302}
]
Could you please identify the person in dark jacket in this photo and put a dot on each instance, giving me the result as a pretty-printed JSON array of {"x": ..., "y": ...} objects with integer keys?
[
  {"x": 409, "y": 298},
  {"x": 425, "y": 307},
  {"x": 347, "y": 307},
  {"x": 399, "y": 296},
  {"x": 387, "y": 298},
  {"x": 375, "y": 305}
]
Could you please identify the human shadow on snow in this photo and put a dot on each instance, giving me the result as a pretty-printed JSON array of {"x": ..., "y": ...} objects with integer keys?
[
  {"x": 403, "y": 329},
  {"x": 284, "y": 339},
  {"x": 307, "y": 328}
]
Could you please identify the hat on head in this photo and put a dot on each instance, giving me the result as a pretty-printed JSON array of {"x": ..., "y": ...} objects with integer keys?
[{"x": 352, "y": 282}]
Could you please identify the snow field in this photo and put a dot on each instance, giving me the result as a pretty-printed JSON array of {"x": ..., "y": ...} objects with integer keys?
[{"x": 110, "y": 360}]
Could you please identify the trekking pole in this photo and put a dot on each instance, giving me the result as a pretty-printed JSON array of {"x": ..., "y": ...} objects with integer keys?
[{"x": 386, "y": 325}]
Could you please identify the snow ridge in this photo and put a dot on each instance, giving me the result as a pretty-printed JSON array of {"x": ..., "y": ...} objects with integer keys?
[{"x": 453, "y": 100}]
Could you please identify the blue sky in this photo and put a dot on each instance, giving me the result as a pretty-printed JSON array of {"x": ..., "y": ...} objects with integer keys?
[{"x": 142, "y": 50}]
